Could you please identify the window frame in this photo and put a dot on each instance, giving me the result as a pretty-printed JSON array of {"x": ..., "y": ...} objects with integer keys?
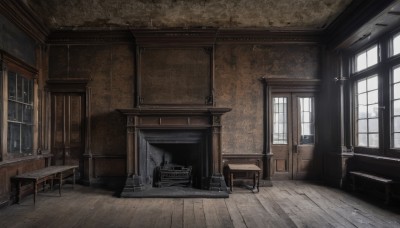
[
  {"x": 384, "y": 67},
  {"x": 9, "y": 63}
]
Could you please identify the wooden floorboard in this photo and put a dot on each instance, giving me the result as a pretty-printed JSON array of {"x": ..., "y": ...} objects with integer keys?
[{"x": 286, "y": 204}]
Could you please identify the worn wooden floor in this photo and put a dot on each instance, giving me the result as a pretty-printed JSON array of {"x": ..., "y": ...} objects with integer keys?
[{"x": 286, "y": 204}]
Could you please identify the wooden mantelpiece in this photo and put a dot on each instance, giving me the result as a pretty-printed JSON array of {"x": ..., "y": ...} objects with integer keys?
[{"x": 206, "y": 119}]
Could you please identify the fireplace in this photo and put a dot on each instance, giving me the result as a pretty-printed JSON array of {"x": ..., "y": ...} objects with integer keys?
[
  {"x": 180, "y": 139},
  {"x": 174, "y": 150}
]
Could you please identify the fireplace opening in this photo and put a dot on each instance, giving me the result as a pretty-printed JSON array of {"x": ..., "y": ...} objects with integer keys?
[
  {"x": 174, "y": 158},
  {"x": 174, "y": 164}
]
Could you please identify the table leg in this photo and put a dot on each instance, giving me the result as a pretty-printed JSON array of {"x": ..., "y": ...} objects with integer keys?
[
  {"x": 34, "y": 196},
  {"x": 59, "y": 190},
  {"x": 258, "y": 181},
  {"x": 231, "y": 181},
  {"x": 254, "y": 179},
  {"x": 73, "y": 178}
]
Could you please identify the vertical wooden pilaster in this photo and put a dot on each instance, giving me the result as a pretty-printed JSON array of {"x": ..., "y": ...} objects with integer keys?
[{"x": 131, "y": 146}]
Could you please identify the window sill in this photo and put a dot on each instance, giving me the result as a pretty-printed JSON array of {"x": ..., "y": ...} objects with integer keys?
[
  {"x": 377, "y": 157},
  {"x": 12, "y": 161}
]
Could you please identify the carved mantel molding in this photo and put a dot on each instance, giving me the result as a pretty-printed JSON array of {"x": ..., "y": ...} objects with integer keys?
[{"x": 187, "y": 118}]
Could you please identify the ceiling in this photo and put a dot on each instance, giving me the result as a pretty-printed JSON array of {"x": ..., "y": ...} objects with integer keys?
[{"x": 232, "y": 14}]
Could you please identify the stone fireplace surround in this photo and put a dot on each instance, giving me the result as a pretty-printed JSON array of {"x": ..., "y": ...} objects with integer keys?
[{"x": 197, "y": 129}]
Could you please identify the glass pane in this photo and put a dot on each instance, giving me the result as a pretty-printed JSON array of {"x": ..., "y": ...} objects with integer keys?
[
  {"x": 361, "y": 61},
  {"x": 27, "y": 114},
  {"x": 396, "y": 45},
  {"x": 373, "y": 125},
  {"x": 396, "y": 124},
  {"x": 372, "y": 56},
  {"x": 12, "y": 111},
  {"x": 373, "y": 140},
  {"x": 26, "y": 139},
  {"x": 396, "y": 107},
  {"x": 372, "y": 83},
  {"x": 362, "y": 140},
  {"x": 362, "y": 99},
  {"x": 396, "y": 75},
  {"x": 13, "y": 140},
  {"x": 306, "y": 120},
  {"x": 280, "y": 121},
  {"x": 362, "y": 112},
  {"x": 276, "y": 128},
  {"x": 362, "y": 126},
  {"x": 19, "y": 89},
  {"x": 30, "y": 91},
  {"x": 373, "y": 111},
  {"x": 25, "y": 93},
  {"x": 12, "y": 87},
  {"x": 19, "y": 112},
  {"x": 396, "y": 140},
  {"x": 362, "y": 86},
  {"x": 373, "y": 97},
  {"x": 306, "y": 117},
  {"x": 396, "y": 91}
]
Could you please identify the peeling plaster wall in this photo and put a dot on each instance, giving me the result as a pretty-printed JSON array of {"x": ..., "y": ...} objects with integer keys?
[
  {"x": 111, "y": 70},
  {"x": 237, "y": 72}
]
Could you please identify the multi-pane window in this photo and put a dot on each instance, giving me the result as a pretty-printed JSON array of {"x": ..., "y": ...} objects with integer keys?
[
  {"x": 396, "y": 107},
  {"x": 367, "y": 112},
  {"x": 367, "y": 58},
  {"x": 20, "y": 114},
  {"x": 307, "y": 124},
  {"x": 280, "y": 120}
]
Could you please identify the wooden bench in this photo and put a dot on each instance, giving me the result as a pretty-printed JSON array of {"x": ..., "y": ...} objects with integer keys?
[
  {"x": 249, "y": 168},
  {"x": 40, "y": 176},
  {"x": 386, "y": 181}
]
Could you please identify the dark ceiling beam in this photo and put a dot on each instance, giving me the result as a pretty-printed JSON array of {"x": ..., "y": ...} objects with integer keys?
[{"x": 361, "y": 20}]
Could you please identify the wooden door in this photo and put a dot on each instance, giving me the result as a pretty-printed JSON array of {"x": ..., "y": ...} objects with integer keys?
[
  {"x": 293, "y": 136},
  {"x": 67, "y": 126}
]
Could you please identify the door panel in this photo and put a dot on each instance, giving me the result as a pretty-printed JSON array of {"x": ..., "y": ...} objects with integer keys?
[
  {"x": 295, "y": 156},
  {"x": 68, "y": 112},
  {"x": 281, "y": 135}
]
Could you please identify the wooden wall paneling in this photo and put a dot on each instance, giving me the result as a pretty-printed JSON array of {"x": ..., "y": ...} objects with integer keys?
[{"x": 71, "y": 124}]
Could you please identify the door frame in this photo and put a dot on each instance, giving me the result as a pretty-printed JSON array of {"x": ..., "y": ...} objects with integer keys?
[
  {"x": 282, "y": 85},
  {"x": 76, "y": 86}
]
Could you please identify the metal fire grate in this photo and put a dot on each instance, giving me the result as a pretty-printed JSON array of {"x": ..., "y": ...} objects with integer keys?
[{"x": 171, "y": 175}]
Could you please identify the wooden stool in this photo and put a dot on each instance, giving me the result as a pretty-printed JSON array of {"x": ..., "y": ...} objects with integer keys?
[{"x": 248, "y": 168}]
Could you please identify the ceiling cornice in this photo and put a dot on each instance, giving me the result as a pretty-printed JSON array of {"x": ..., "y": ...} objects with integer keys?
[
  {"x": 22, "y": 16},
  {"x": 268, "y": 36},
  {"x": 89, "y": 37},
  {"x": 184, "y": 36}
]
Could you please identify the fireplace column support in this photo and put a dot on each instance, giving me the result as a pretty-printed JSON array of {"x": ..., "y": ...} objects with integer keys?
[
  {"x": 133, "y": 180},
  {"x": 217, "y": 181}
]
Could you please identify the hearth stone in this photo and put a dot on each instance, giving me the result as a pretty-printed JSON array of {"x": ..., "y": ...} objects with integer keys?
[
  {"x": 217, "y": 183},
  {"x": 175, "y": 192},
  {"x": 132, "y": 184}
]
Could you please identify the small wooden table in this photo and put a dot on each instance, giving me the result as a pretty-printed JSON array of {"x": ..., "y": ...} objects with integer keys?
[
  {"x": 235, "y": 168},
  {"x": 42, "y": 175}
]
